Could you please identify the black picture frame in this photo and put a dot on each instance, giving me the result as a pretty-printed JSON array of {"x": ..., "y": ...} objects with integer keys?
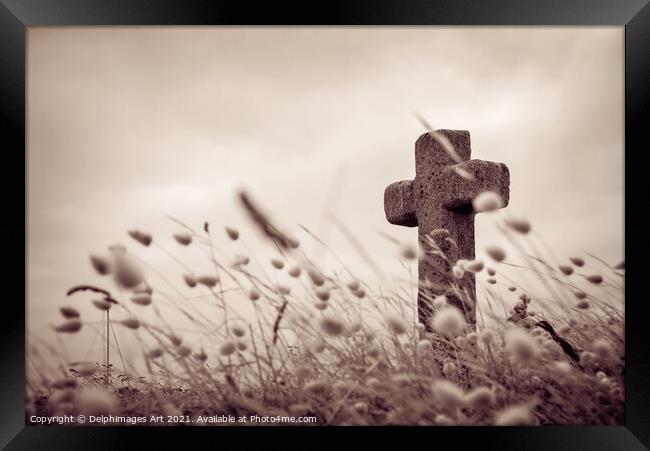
[{"x": 634, "y": 15}]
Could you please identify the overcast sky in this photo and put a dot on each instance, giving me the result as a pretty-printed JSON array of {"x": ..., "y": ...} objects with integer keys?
[{"x": 128, "y": 125}]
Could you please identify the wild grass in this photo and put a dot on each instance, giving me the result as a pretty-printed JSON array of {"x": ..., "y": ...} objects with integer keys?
[{"x": 329, "y": 346}]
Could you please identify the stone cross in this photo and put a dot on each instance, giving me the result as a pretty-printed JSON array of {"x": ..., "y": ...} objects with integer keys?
[{"x": 439, "y": 202}]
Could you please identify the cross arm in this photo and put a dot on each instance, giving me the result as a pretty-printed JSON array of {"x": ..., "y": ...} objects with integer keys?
[
  {"x": 469, "y": 178},
  {"x": 399, "y": 204}
]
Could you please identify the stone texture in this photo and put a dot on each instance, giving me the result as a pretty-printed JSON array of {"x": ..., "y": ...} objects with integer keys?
[{"x": 439, "y": 202}]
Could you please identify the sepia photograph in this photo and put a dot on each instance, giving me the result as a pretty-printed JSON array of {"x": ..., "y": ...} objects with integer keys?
[{"x": 325, "y": 226}]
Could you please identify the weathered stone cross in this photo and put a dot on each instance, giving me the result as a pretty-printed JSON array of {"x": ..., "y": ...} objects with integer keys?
[{"x": 439, "y": 203}]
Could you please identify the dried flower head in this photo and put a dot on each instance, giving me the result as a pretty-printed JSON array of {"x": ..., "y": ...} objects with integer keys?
[
  {"x": 595, "y": 279},
  {"x": 520, "y": 415},
  {"x": 141, "y": 299},
  {"x": 283, "y": 289},
  {"x": 295, "y": 271},
  {"x": 487, "y": 201},
  {"x": 277, "y": 263},
  {"x": 156, "y": 353},
  {"x": 141, "y": 237},
  {"x": 566, "y": 270},
  {"x": 190, "y": 280},
  {"x": 521, "y": 345},
  {"x": 520, "y": 225},
  {"x": 323, "y": 294},
  {"x": 70, "y": 326},
  {"x": 238, "y": 330},
  {"x": 69, "y": 312},
  {"x": 253, "y": 294},
  {"x": 183, "y": 238},
  {"x": 474, "y": 266},
  {"x": 480, "y": 398},
  {"x": 232, "y": 233},
  {"x": 102, "y": 304},
  {"x": 447, "y": 394},
  {"x": 127, "y": 272},
  {"x": 241, "y": 260},
  {"x": 316, "y": 388},
  {"x": 208, "y": 280},
  {"x": 353, "y": 285},
  {"x": 448, "y": 321},
  {"x": 579, "y": 262},
  {"x": 395, "y": 323},
  {"x": 228, "y": 348},
  {"x": 496, "y": 253},
  {"x": 332, "y": 326},
  {"x": 131, "y": 323},
  {"x": 101, "y": 264}
]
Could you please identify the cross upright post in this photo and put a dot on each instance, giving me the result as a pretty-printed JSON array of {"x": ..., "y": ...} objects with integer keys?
[{"x": 439, "y": 202}]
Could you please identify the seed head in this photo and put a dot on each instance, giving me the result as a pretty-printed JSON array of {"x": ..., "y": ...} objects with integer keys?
[
  {"x": 396, "y": 324},
  {"x": 580, "y": 294},
  {"x": 69, "y": 312},
  {"x": 474, "y": 266},
  {"x": 579, "y": 262},
  {"x": 566, "y": 270},
  {"x": 491, "y": 280},
  {"x": 595, "y": 279},
  {"x": 520, "y": 225},
  {"x": 277, "y": 263},
  {"x": 295, "y": 271},
  {"x": 184, "y": 351},
  {"x": 127, "y": 272},
  {"x": 486, "y": 336},
  {"x": 253, "y": 294},
  {"x": 102, "y": 304},
  {"x": 227, "y": 348},
  {"x": 583, "y": 304},
  {"x": 458, "y": 272},
  {"x": 480, "y": 398},
  {"x": 190, "y": 280},
  {"x": 323, "y": 294},
  {"x": 320, "y": 305},
  {"x": 70, "y": 326},
  {"x": 207, "y": 280},
  {"x": 491, "y": 272},
  {"x": 496, "y": 253},
  {"x": 487, "y": 201},
  {"x": 101, "y": 264},
  {"x": 156, "y": 353},
  {"x": 131, "y": 323},
  {"x": 521, "y": 345},
  {"x": 238, "y": 330},
  {"x": 409, "y": 252},
  {"x": 284, "y": 290},
  {"x": 520, "y": 415},
  {"x": 602, "y": 348},
  {"x": 316, "y": 388},
  {"x": 448, "y": 394},
  {"x": 141, "y": 299},
  {"x": 353, "y": 285},
  {"x": 141, "y": 237},
  {"x": 183, "y": 238},
  {"x": 232, "y": 233},
  {"x": 294, "y": 243},
  {"x": 241, "y": 260},
  {"x": 360, "y": 293},
  {"x": 448, "y": 321},
  {"x": 449, "y": 369},
  {"x": 332, "y": 326},
  {"x": 316, "y": 278}
]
